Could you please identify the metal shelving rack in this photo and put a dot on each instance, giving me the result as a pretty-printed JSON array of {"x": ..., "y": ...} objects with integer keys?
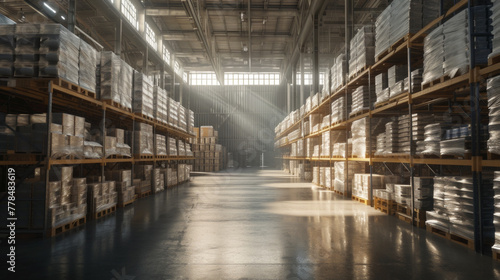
[
  {"x": 410, "y": 52},
  {"x": 63, "y": 96}
]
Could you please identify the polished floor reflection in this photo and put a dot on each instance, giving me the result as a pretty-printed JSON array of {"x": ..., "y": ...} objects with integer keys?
[{"x": 252, "y": 224}]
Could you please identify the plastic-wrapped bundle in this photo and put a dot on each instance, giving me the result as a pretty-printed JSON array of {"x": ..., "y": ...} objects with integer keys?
[
  {"x": 87, "y": 64},
  {"x": 494, "y": 130},
  {"x": 110, "y": 77},
  {"x": 310, "y": 144},
  {"x": 453, "y": 147},
  {"x": 402, "y": 193},
  {"x": 456, "y": 45},
  {"x": 143, "y": 95},
  {"x": 380, "y": 144},
  {"x": 416, "y": 81},
  {"x": 314, "y": 122},
  {"x": 316, "y": 150},
  {"x": 340, "y": 109},
  {"x": 326, "y": 148},
  {"x": 406, "y": 17},
  {"x": 92, "y": 149},
  {"x": 495, "y": 18},
  {"x": 125, "y": 83},
  {"x": 338, "y": 72},
  {"x": 361, "y": 184},
  {"x": 382, "y": 31},
  {"x": 190, "y": 121},
  {"x": 391, "y": 137},
  {"x": 143, "y": 139},
  {"x": 381, "y": 84},
  {"x": 160, "y": 102},
  {"x": 361, "y": 98},
  {"x": 27, "y": 50},
  {"x": 493, "y": 91},
  {"x": 322, "y": 178},
  {"x": 306, "y": 128},
  {"x": 182, "y": 118},
  {"x": 173, "y": 112},
  {"x": 7, "y": 45},
  {"x": 396, "y": 74},
  {"x": 315, "y": 175},
  {"x": 158, "y": 180},
  {"x": 362, "y": 50},
  {"x": 160, "y": 145},
  {"x": 181, "y": 148},
  {"x": 433, "y": 55},
  {"x": 294, "y": 134},
  {"x": 326, "y": 122},
  {"x": 171, "y": 146},
  {"x": 432, "y": 140},
  {"x": 300, "y": 148},
  {"x": 416, "y": 124},
  {"x": 328, "y": 177},
  {"x": 59, "y": 53},
  {"x": 361, "y": 135},
  {"x": 189, "y": 153}
]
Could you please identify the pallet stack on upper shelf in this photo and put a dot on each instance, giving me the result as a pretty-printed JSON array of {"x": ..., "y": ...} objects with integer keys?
[
  {"x": 431, "y": 116},
  {"x": 113, "y": 142}
]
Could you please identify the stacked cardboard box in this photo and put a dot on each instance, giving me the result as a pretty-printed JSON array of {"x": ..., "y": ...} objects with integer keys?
[
  {"x": 116, "y": 79},
  {"x": 208, "y": 154},
  {"x": 143, "y": 95},
  {"x": 67, "y": 196},
  {"x": 143, "y": 178},
  {"x": 123, "y": 183}
]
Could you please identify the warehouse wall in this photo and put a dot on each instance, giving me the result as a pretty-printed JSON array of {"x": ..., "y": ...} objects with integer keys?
[{"x": 245, "y": 117}]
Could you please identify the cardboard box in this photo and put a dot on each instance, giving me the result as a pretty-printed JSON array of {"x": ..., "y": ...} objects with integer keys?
[
  {"x": 206, "y": 131},
  {"x": 196, "y": 132},
  {"x": 79, "y": 126},
  {"x": 66, "y": 120}
]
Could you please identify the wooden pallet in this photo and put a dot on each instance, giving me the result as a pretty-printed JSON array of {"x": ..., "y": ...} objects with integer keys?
[
  {"x": 143, "y": 156},
  {"x": 494, "y": 60},
  {"x": 11, "y": 156},
  {"x": 396, "y": 99},
  {"x": 435, "y": 82},
  {"x": 393, "y": 47},
  {"x": 419, "y": 221},
  {"x": 116, "y": 156},
  {"x": 163, "y": 157},
  {"x": 384, "y": 205},
  {"x": 355, "y": 156},
  {"x": 358, "y": 113},
  {"x": 125, "y": 204},
  {"x": 467, "y": 242},
  {"x": 145, "y": 117},
  {"x": 66, "y": 227},
  {"x": 41, "y": 84},
  {"x": 117, "y": 105},
  {"x": 495, "y": 254},
  {"x": 362, "y": 200},
  {"x": 466, "y": 156},
  {"x": 144, "y": 194},
  {"x": 355, "y": 74},
  {"x": 104, "y": 212},
  {"x": 492, "y": 156}
]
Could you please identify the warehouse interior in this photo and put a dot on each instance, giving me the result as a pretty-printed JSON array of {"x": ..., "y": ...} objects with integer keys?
[{"x": 250, "y": 139}]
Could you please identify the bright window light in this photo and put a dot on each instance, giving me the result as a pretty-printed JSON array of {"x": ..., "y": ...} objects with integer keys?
[
  {"x": 49, "y": 7},
  {"x": 308, "y": 79},
  {"x": 130, "y": 13},
  {"x": 166, "y": 55},
  {"x": 151, "y": 37},
  {"x": 63, "y": 17}
]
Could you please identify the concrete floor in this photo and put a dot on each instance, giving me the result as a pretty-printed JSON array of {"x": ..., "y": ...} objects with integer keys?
[{"x": 247, "y": 225}]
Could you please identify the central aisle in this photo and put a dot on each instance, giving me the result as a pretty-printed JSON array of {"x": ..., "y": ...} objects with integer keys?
[{"x": 254, "y": 225}]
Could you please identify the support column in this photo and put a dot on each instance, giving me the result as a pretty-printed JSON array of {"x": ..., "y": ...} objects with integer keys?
[
  {"x": 145, "y": 61},
  {"x": 315, "y": 72},
  {"x": 71, "y": 15},
  {"x": 295, "y": 104},
  {"x": 118, "y": 37},
  {"x": 288, "y": 98},
  {"x": 348, "y": 28},
  {"x": 302, "y": 90}
]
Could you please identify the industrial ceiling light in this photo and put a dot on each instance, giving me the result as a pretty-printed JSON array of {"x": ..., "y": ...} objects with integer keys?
[
  {"x": 264, "y": 21},
  {"x": 242, "y": 15},
  {"x": 245, "y": 48},
  {"x": 49, "y": 7}
]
